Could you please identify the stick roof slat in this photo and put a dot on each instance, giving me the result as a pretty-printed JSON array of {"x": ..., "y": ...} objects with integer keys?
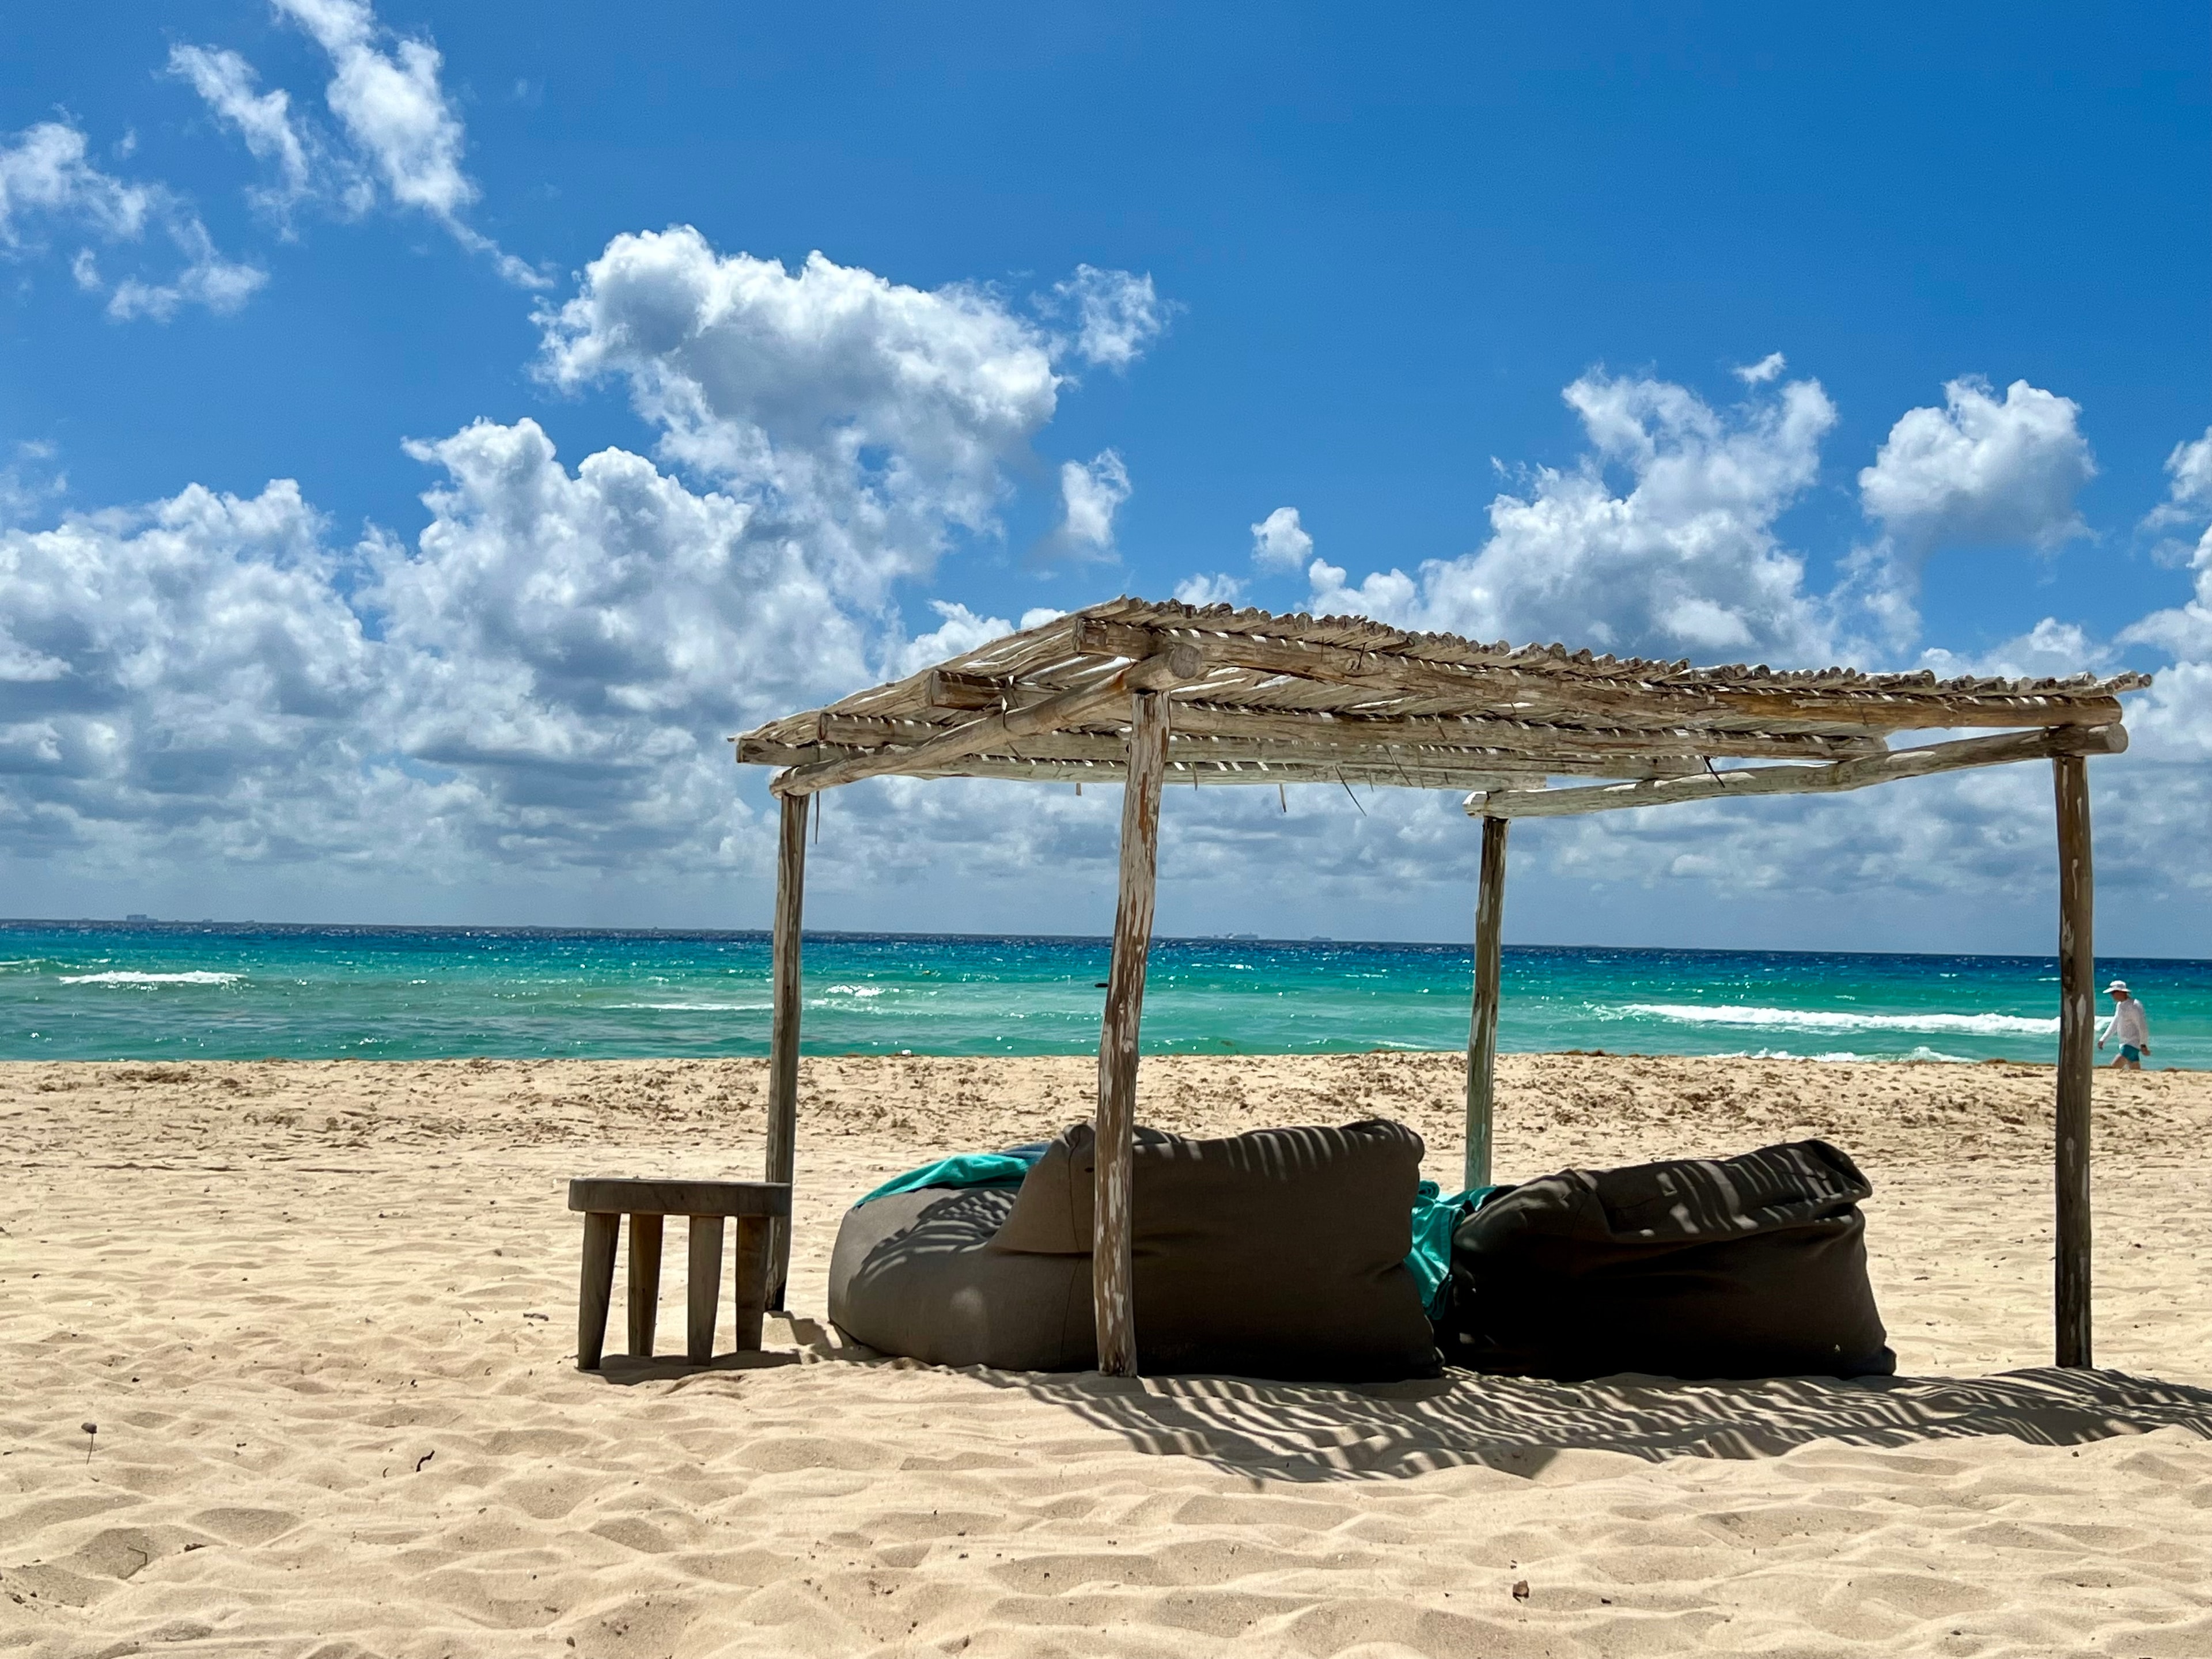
[{"x": 1287, "y": 698}]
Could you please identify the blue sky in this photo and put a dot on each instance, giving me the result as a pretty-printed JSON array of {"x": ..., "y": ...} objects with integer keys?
[{"x": 1350, "y": 263}]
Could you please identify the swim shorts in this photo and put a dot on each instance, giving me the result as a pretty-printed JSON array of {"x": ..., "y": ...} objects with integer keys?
[{"x": 2130, "y": 1052}]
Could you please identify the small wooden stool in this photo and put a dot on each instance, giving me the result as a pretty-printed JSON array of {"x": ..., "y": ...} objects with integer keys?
[{"x": 752, "y": 1204}]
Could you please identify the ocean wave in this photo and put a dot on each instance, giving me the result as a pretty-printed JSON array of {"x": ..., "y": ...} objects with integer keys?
[
  {"x": 1824, "y": 1019},
  {"x": 853, "y": 990},
  {"x": 698, "y": 1007},
  {"x": 126, "y": 976},
  {"x": 1850, "y": 1056}
]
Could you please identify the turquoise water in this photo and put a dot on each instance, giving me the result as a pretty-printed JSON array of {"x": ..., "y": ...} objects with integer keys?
[{"x": 108, "y": 991}]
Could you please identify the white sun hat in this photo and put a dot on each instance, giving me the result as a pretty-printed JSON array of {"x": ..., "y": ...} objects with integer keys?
[{"x": 2117, "y": 985}]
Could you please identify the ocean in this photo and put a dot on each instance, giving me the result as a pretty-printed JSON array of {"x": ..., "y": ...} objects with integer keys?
[{"x": 147, "y": 991}]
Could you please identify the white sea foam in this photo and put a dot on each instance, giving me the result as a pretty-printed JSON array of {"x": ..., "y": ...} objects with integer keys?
[
  {"x": 1848, "y": 1056},
  {"x": 1824, "y": 1019},
  {"x": 125, "y": 976},
  {"x": 853, "y": 990},
  {"x": 698, "y": 1008}
]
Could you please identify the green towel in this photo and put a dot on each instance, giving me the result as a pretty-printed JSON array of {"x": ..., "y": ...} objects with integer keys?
[
  {"x": 962, "y": 1169},
  {"x": 1436, "y": 1215}
]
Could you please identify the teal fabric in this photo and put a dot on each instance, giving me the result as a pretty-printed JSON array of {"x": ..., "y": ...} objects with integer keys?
[
  {"x": 962, "y": 1169},
  {"x": 1437, "y": 1214}
]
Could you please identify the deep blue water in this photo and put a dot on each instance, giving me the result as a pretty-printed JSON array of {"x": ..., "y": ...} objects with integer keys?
[{"x": 141, "y": 991}]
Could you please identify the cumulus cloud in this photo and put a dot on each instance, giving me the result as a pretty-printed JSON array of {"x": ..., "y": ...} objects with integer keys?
[
  {"x": 1768, "y": 367},
  {"x": 1116, "y": 314},
  {"x": 1681, "y": 557},
  {"x": 2187, "y": 506},
  {"x": 1279, "y": 542},
  {"x": 1981, "y": 471},
  {"x": 885, "y": 411},
  {"x": 48, "y": 183},
  {"x": 1204, "y": 590},
  {"x": 183, "y": 678},
  {"x": 28, "y": 482},
  {"x": 543, "y": 678},
  {"x": 1091, "y": 493}
]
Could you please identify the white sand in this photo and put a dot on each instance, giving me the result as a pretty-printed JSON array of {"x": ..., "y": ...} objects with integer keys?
[{"x": 324, "y": 1317}]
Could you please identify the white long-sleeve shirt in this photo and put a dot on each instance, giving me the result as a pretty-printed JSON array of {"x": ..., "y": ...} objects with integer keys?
[{"x": 2129, "y": 1024}]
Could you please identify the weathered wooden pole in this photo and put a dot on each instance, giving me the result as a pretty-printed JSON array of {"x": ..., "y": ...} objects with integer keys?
[
  {"x": 783, "y": 1030},
  {"x": 1111, "y": 1267},
  {"x": 1482, "y": 1032},
  {"x": 2077, "y": 1043}
]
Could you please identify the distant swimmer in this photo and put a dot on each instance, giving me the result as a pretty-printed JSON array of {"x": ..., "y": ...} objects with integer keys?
[{"x": 2129, "y": 1026}]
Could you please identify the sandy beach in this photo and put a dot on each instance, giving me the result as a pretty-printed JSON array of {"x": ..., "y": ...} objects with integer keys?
[{"x": 323, "y": 1317}]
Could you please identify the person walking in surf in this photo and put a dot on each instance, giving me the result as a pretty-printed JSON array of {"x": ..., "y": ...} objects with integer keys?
[{"x": 2129, "y": 1026}]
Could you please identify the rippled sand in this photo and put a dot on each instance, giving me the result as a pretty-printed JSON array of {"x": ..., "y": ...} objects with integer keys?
[{"x": 324, "y": 1319}]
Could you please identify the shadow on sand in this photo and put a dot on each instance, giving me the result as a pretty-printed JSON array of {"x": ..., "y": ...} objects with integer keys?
[{"x": 1311, "y": 1432}]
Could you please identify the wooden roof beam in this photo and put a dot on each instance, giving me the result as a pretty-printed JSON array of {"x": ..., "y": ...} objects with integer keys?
[
  {"x": 1538, "y": 696},
  {"x": 1186, "y": 749},
  {"x": 1803, "y": 780},
  {"x": 1175, "y": 664},
  {"x": 1349, "y": 731}
]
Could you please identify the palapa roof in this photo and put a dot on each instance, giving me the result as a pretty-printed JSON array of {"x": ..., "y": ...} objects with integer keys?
[{"x": 1257, "y": 698}]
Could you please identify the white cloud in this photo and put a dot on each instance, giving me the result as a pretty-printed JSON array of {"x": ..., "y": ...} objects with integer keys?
[
  {"x": 1279, "y": 542},
  {"x": 2051, "y": 650},
  {"x": 181, "y": 679},
  {"x": 207, "y": 279},
  {"x": 43, "y": 174},
  {"x": 1204, "y": 590},
  {"x": 404, "y": 137},
  {"x": 1684, "y": 559},
  {"x": 2186, "y": 630},
  {"x": 2190, "y": 467},
  {"x": 1387, "y": 595},
  {"x": 886, "y": 412},
  {"x": 1981, "y": 471},
  {"x": 391, "y": 104},
  {"x": 575, "y": 647},
  {"x": 959, "y": 630},
  {"x": 543, "y": 678},
  {"x": 1117, "y": 314},
  {"x": 1768, "y": 367},
  {"x": 226, "y": 81},
  {"x": 1090, "y": 496},
  {"x": 2188, "y": 503},
  {"x": 46, "y": 181},
  {"x": 28, "y": 482}
]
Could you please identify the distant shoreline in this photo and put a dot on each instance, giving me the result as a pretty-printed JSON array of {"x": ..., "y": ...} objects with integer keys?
[{"x": 471, "y": 930}]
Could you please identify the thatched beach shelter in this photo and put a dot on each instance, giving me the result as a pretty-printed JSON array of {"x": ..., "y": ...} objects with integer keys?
[{"x": 1146, "y": 694}]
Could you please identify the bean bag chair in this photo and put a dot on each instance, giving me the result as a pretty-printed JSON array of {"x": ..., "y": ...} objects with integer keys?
[
  {"x": 913, "y": 1274},
  {"x": 1280, "y": 1253},
  {"x": 1729, "y": 1268}
]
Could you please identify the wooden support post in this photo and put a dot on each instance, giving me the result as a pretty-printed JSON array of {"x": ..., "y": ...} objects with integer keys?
[
  {"x": 2077, "y": 1043},
  {"x": 1482, "y": 1033},
  {"x": 597, "y": 1289},
  {"x": 783, "y": 1030},
  {"x": 1111, "y": 1267},
  {"x": 702, "y": 1288},
  {"x": 644, "y": 1283},
  {"x": 751, "y": 1271}
]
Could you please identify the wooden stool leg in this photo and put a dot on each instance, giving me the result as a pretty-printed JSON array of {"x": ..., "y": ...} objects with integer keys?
[
  {"x": 751, "y": 1274},
  {"x": 597, "y": 1290},
  {"x": 704, "y": 1288},
  {"x": 644, "y": 1283}
]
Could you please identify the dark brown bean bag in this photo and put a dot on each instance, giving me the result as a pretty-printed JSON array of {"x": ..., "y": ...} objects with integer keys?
[
  {"x": 1280, "y": 1254},
  {"x": 1740, "y": 1267}
]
